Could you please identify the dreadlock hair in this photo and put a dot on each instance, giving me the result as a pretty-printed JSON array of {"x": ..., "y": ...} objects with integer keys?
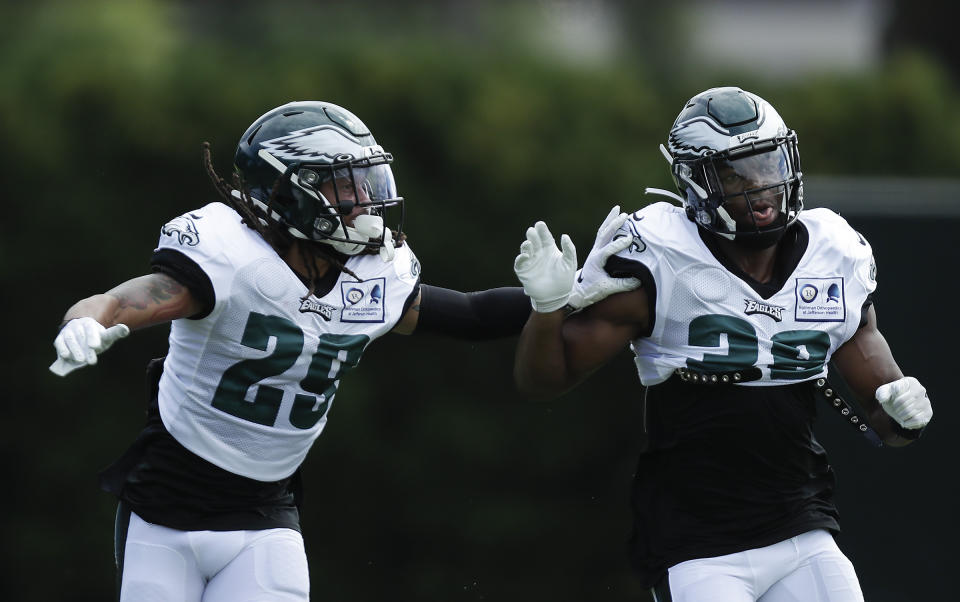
[{"x": 280, "y": 240}]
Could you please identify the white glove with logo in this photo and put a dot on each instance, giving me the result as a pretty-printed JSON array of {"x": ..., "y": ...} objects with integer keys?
[
  {"x": 546, "y": 273},
  {"x": 80, "y": 341},
  {"x": 604, "y": 247},
  {"x": 906, "y": 401}
]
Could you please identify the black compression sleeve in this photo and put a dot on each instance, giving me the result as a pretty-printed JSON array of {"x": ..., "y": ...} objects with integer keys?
[{"x": 490, "y": 314}]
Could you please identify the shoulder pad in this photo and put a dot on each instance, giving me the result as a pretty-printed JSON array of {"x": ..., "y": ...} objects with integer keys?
[
  {"x": 406, "y": 263},
  {"x": 655, "y": 225},
  {"x": 832, "y": 234},
  {"x": 212, "y": 233},
  {"x": 829, "y": 228},
  {"x": 194, "y": 227}
]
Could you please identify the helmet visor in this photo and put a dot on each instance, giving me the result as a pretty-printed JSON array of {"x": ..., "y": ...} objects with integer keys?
[
  {"x": 756, "y": 190},
  {"x": 761, "y": 172},
  {"x": 344, "y": 188},
  {"x": 377, "y": 183}
]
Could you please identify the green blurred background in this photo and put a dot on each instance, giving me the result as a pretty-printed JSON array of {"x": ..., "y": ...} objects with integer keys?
[{"x": 435, "y": 479}]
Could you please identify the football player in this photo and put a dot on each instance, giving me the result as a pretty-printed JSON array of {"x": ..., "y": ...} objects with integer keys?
[
  {"x": 273, "y": 295},
  {"x": 743, "y": 299}
]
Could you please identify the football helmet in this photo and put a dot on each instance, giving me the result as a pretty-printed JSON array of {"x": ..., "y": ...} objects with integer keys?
[
  {"x": 314, "y": 170},
  {"x": 736, "y": 166}
]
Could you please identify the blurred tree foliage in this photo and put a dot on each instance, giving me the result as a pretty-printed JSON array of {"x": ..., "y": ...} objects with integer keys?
[{"x": 435, "y": 480}]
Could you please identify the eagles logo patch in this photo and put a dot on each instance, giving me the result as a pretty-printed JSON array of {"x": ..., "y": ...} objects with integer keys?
[
  {"x": 757, "y": 307},
  {"x": 313, "y": 306},
  {"x": 183, "y": 229},
  {"x": 637, "y": 246}
]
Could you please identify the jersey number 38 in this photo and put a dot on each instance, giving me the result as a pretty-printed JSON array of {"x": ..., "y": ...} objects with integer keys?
[{"x": 797, "y": 354}]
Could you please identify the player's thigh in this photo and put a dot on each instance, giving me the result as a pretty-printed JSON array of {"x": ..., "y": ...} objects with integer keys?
[
  {"x": 272, "y": 566},
  {"x": 824, "y": 574},
  {"x": 726, "y": 578},
  {"x": 157, "y": 565}
]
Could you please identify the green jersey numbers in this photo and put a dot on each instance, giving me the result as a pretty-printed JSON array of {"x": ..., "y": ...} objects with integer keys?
[
  {"x": 238, "y": 379},
  {"x": 705, "y": 331},
  {"x": 336, "y": 353},
  {"x": 797, "y": 354}
]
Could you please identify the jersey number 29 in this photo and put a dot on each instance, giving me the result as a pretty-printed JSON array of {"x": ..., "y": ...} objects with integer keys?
[{"x": 336, "y": 353}]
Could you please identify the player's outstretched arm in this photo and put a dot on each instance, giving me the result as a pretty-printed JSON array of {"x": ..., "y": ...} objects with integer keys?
[
  {"x": 501, "y": 312},
  {"x": 476, "y": 316},
  {"x": 93, "y": 324},
  {"x": 897, "y": 407}
]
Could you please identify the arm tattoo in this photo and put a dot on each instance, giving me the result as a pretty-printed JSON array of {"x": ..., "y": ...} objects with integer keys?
[
  {"x": 157, "y": 290},
  {"x": 155, "y": 298}
]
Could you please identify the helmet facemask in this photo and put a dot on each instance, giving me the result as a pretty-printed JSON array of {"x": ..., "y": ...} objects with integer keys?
[
  {"x": 342, "y": 204},
  {"x": 750, "y": 193}
]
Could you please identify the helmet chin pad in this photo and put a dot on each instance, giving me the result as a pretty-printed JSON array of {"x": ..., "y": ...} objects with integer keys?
[
  {"x": 370, "y": 226},
  {"x": 366, "y": 228}
]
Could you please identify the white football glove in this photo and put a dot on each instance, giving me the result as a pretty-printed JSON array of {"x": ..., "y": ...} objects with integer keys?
[
  {"x": 546, "y": 273},
  {"x": 906, "y": 401},
  {"x": 79, "y": 342},
  {"x": 603, "y": 248}
]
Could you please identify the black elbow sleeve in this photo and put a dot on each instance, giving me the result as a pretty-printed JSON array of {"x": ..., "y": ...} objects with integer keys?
[
  {"x": 186, "y": 271},
  {"x": 482, "y": 315}
]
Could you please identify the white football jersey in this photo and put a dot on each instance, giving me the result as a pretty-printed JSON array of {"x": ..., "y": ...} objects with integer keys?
[
  {"x": 710, "y": 321},
  {"x": 248, "y": 387}
]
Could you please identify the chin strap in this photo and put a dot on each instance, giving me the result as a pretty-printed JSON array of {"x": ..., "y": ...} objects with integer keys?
[{"x": 670, "y": 195}]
